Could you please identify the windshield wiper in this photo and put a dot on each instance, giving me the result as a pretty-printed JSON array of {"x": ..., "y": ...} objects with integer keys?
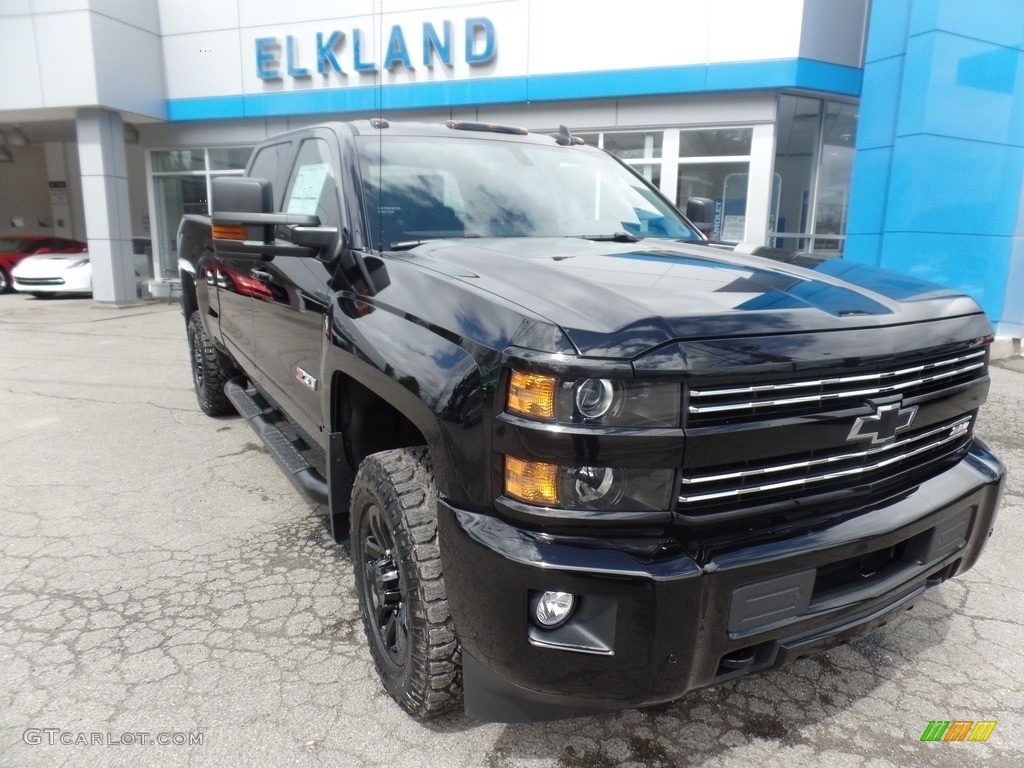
[
  {"x": 408, "y": 245},
  {"x": 617, "y": 237}
]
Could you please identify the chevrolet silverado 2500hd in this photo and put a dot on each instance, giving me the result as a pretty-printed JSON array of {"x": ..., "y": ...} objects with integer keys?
[{"x": 584, "y": 460}]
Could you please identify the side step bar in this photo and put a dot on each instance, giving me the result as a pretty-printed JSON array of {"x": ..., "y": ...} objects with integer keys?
[{"x": 303, "y": 475}]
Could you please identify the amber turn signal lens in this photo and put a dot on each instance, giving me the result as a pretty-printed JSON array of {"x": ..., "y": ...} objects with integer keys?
[
  {"x": 532, "y": 394},
  {"x": 228, "y": 232},
  {"x": 531, "y": 481}
]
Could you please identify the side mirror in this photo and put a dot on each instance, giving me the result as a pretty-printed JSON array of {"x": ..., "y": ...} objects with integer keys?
[
  {"x": 238, "y": 202},
  {"x": 41, "y": 251},
  {"x": 244, "y": 220},
  {"x": 701, "y": 211}
]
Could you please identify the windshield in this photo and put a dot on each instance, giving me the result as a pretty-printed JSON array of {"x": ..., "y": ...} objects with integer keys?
[
  {"x": 10, "y": 245},
  {"x": 427, "y": 188}
]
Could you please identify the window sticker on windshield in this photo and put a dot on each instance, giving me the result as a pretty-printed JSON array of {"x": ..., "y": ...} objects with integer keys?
[{"x": 309, "y": 182}]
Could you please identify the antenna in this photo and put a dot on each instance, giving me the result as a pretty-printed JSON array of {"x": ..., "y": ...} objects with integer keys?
[
  {"x": 379, "y": 123},
  {"x": 565, "y": 137}
]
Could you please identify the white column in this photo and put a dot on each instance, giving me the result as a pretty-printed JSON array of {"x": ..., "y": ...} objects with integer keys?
[
  {"x": 759, "y": 186},
  {"x": 105, "y": 195},
  {"x": 60, "y": 197}
]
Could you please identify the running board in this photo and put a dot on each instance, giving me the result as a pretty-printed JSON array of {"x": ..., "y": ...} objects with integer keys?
[{"x": 303, "y": 475}]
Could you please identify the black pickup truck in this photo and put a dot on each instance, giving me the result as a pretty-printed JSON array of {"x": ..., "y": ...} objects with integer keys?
[{"x": 583, "y": 459}]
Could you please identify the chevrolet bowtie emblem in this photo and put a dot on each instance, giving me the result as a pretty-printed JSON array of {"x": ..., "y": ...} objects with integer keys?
[{"x": 888, "y": 421}]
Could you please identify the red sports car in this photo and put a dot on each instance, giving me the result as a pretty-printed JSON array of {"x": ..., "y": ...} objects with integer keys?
[{"x": 14, "y": 248}]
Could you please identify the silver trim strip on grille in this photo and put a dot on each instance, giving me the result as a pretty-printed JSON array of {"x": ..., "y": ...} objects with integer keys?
[
  {"x": 881, "y": 389},
  {"x": 955, "y": 430}
]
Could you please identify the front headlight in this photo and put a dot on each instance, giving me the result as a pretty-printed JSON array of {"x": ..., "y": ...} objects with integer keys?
[
  {"x": 596, "y": 488},
  {"x": 79, "y": 263},
  {"x": 599, "y": 401}
]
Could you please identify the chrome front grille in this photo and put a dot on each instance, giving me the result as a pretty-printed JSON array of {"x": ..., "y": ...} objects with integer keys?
[
  {"x": 39, "y": 281},
  {"x": 708, "y": 406},
  {"x": 730, "y": 492}
]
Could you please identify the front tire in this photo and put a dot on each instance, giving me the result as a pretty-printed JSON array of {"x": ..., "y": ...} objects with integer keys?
[
  {"x": 399, "y": 582},
  {"x": 5, "y": 281},
  {"x": 211, "y": 370}
]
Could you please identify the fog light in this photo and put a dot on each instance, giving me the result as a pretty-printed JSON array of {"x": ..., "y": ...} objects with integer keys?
[{"x": 553, "y": 608}]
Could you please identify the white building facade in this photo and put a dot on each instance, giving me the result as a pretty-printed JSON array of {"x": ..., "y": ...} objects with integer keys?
[{"x": 133, "y": 106}]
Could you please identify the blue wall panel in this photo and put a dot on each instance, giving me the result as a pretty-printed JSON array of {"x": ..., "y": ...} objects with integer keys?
[
  {"x": 947, "y": 207},
  {"x": 871, "y": 180},
  {"x": 958, "y": 86},
  {"x": 876, "y": 124},
  {"x": 979, "y": 264},
  {"x": 994, "y": 21},
  {"x": 890, "y": 20},
  {"x": 952, "y": 185},
  {"x": 801, "y": 74}
]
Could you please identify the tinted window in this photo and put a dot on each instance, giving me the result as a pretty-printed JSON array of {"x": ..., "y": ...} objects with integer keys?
[
  {"x": 18, "y": 246},
  {"x": 266, "y": 164},
  {"x": 311, "y": 187},
  {"x": 424, "y": 188}
]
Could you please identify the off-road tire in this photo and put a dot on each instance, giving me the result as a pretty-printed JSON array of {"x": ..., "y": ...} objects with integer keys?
[
  {"x": 399, "y": 583},
  {"x": 211, "y": 369}
]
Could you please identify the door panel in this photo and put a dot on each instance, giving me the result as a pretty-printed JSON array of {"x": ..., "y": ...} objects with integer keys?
[
  {"x": 236, "y": 288},
  {"x": 288, "y": 314}
]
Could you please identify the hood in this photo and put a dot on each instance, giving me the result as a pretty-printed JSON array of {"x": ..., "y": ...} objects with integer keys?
[
  {"x": 47, "y": 263},
  {"x": 621, "y": 299}
]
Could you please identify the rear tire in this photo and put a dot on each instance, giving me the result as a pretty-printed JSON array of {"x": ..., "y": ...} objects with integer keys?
[
  {"x": 211, "y": 370},
  {"x": 399, "y": 582}
]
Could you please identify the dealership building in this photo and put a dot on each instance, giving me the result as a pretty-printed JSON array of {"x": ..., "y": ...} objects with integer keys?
[{"x": 889, "y": 133}]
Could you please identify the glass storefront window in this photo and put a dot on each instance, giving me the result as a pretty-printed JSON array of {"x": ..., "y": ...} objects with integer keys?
[
  {"x": 710, "y": 163},
  {"x": 834, "y": 172},
  {"x": 229, "y": 158},
  {"x": 181, "y": 184},
  {"x": 717, "y": 142},
  {"x": 177, "y": 160},
  {"x": 813, "y": 159},
  {"x": 174, "y": 197},
  {"x": 650, "y": 172},
  {"x": 635, "y": 146},
  {"x": 642, "y": 150},
  {"x": 722, "y": 177},
  {"x": 726, "y": 185},
  {"x": 797, "y": 133}
]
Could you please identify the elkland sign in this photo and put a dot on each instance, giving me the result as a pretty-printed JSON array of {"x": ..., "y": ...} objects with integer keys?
[{"x": 340, "y": 52}]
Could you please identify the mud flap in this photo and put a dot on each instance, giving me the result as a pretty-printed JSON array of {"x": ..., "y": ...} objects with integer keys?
[{"x": 340, "y": 477}]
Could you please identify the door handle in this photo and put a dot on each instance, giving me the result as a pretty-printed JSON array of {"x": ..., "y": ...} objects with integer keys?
[{"x": 260, "y": 274}]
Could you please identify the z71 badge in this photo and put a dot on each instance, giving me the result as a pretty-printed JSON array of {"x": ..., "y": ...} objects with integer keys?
[{"x": 305, "y": 378}]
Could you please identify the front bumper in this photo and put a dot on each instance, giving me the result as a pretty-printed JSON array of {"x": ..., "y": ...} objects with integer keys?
[
  {"x": 68, "y": 281},
  {"x": 646, "y": 632}
]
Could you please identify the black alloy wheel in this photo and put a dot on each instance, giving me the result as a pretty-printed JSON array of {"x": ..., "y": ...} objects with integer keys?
[
  {"x": 211, "y": 369},
  {"x": 400, "y": 584}
]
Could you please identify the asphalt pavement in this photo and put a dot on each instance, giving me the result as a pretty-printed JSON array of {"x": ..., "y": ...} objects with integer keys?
[{"x": 168, "y": 598}]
